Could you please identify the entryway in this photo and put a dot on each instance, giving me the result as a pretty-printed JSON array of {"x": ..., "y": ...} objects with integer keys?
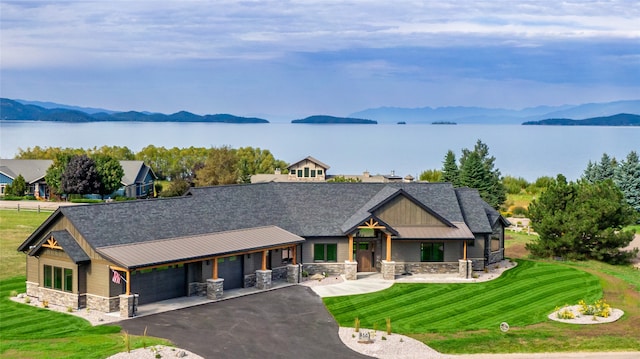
[{"x": 365, "y": 255}]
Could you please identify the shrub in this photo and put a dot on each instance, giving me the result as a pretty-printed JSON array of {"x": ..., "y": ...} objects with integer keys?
[
  {"x": 27, "y": 300},
  {"x": 600, "y": 308},
  {"x": 519, "y": 211},
  {"x": 69, "y": 309},
  {"x": 565, "y": 313},
  {"x": 13, "y": 293}
]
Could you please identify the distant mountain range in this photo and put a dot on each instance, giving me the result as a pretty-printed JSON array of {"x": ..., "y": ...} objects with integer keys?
[
  {"x": 618, "y": 113},
  {"x": 480, "y": 115},
  {"x": 14, "y": 110},
  {"x": 622, "y": 119}
]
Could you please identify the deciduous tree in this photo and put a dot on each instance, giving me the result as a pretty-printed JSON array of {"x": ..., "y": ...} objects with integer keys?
[
  {"x": 110, "y": 173},
  {"x": 18, "y": 187},
  {"x": 80, "y": 176},
  {"x": 221, "y": 167},
  {"x": 53, "y": 177}
]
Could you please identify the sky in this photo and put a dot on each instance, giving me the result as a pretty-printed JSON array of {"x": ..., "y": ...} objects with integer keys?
[{"x": 291, "y": 59}]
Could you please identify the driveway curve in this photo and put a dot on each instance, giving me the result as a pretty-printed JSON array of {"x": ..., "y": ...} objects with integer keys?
[{"x": 282, "y": 323}]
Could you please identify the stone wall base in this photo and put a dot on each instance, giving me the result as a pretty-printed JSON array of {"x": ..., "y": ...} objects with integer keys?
[
  {"x": 215, "y": 288},
  {"x": 330, "y": 269},
  {"x": 350, "y": 270},
  {"x": 427, "y": 267},
  {"x": 388, "y": 270},
  {"x": 197, "y": 289},
  {"x": 128, "y": 305},
  {"x": 293, "y": 273},
  {"x": 263, "y": 279},
  {"x": 465, "y": 268},
  {"x": 497, "y": 256}
]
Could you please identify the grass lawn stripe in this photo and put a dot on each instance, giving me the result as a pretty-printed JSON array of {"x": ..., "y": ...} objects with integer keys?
[{"x": 533, "y": 291}]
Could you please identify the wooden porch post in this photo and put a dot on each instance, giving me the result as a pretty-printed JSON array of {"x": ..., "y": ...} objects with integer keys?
[
  {"x": 215, "y": 267},
  {"x": 264, "y": 260},
  {"x": 388, "y": 247},
  {"x": 465, "y": 250},
  {"x": 350, "y": 247},
  {"x": 128, "y": 282},
  {"x": 295, "y": 255}
]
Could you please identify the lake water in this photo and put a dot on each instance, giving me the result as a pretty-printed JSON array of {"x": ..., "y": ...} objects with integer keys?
[{"x": 520, "y": 151}]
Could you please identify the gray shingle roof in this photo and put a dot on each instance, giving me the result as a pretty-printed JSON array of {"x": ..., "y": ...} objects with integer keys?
[
  {"x": 31, "y": 170},
  {"x": 304, "y": 209},
  {"x": 68, "y": 244}
]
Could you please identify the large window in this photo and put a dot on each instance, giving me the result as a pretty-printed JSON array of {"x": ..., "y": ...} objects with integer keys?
[
  {"x": 432, "y": 252},
  {"x": 325, "y": 252},
  {"x": 58, "y": 278}
]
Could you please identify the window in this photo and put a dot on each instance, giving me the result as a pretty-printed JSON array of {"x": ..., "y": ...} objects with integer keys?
[
  {"x": 306, "y": 171},
  {"x": 325, "y": 252},
  {"x": 58, "y": 278},
  {"x": 319, "y": 172},
  {"x": 47, "y": 276},
  {"x": 299, "y": 173},
  {"x": 495, "y": 244},
  {"x": 68, "y": 280},
  {"x": 471, "y": 243},
  {"x": 432, "y": 252},
  {"x": 313, "y": 173}
]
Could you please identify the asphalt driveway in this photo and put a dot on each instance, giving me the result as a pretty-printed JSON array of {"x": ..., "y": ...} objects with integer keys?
[{"x": 282, "y": 323}]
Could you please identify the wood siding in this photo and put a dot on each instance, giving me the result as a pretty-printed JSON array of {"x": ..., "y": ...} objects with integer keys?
[
  {"x": 33, "y": 275},
  {"x": 401, "y": 212}
]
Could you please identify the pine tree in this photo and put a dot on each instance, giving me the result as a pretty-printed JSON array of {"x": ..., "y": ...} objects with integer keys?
[
  {"x": 487, "y": 181},
  {"x": 627, "y": 178},
  {"x": 450, "y": 172},
  {"x": 581, "y": 221},
  {"x": 18, "y": 187},
  {"x": 600, "y": 171}
]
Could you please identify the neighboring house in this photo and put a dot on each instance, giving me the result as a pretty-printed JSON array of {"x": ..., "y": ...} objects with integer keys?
[
  {"x": 33, "y": 172},
  {"x": 137, "y": 181},
  {"x": 223, "y": 237},
  {"x": 310, "y": 169}
]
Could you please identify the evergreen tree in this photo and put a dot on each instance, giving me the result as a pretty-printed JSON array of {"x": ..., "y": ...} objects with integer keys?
[
  {"x": 603, "y": 170},
  {"x": 487, "y": 181},
  {"x": 18, "y": 187},
  {"x": 627, "y": 178},
  {"x": 581, "y": 221},
  {"x": 80, "y": 176},
  {"x": 450, "y": 172},
  {"x": 110, "y": 173}
]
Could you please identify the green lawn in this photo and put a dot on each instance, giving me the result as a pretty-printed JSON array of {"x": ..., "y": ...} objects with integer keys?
[
  {"x": 522, "y": 296},
  {"x": 30, "y": 332}
]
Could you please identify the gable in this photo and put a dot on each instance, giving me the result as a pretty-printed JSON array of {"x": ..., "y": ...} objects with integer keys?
[
  {"x": 61, "y": 244},
  {"x": 401, "y": 211}
]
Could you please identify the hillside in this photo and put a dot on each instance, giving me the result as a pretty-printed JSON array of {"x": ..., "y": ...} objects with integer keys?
[
  {"x": 14, "y": 110},
  {"x": 482, "y": 115},
  {"x": 621, "y": 119},
  {"x": 320, "y": 119}
]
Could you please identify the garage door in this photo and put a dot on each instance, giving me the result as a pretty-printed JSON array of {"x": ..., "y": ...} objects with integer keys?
[
  {"x": 157, "y": 284},
  {"x": 231, "y": 269}
]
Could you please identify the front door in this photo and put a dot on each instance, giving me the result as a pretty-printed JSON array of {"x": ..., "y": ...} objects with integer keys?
[{"x": 364, "y": 256}]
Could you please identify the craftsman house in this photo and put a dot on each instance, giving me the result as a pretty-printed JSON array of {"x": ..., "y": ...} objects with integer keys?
[
  {"x": 137, "y": 181},
  {"x": 222, "y": 237}
]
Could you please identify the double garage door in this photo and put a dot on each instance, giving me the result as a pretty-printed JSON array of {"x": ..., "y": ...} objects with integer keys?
[{"x": 168, "y": 282}]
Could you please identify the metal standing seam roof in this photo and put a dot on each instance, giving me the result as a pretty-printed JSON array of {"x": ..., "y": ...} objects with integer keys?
[
  {"x": 150, "y": 253},
  {"x": 460, "y": 231}
]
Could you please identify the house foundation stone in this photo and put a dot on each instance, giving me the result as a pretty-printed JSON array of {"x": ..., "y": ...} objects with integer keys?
[
  {"x": 388, "y": 270},
  {"x": 263, "y": 279},
  {"x": 293, "y": 273},
  {"x": 465, "y": 268},
  {"x": 350, "y": 270},
  {"x": 215, "y": 288},
  {"x": 127, "y": 305}
]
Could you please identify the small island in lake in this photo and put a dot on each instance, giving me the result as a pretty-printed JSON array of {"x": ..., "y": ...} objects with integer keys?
[
  {"x": 621, "y": 119},
  {"x": 443, "y": 123},
  {"x": 323, "y": 119}
]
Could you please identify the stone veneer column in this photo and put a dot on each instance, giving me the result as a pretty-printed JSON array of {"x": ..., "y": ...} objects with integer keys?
[
  {"x": 465, "y": 268},
  {"x": 350, "y": 270},
  {"x": 263, "y": 279},
  {"x": 215, "y": 288},
  {"x": 388, "y": 270},
  {"x": 293, "y": 273},
  {"x": 126, "y": 305}
]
